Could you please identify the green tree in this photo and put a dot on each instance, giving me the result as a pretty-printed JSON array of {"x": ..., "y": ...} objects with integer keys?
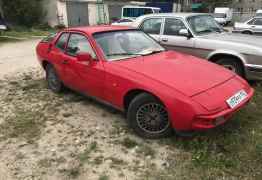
[
  {"x": 23, "y": 12},
  {"x": 218, "y": 3}
]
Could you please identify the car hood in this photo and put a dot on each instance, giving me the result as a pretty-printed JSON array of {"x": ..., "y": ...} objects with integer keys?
[
  {"x": 184, "y": 73},
  {"x": 236, "y": 38}
]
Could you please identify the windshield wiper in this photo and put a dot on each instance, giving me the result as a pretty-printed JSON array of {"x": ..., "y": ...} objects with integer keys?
[{"x": 153, "y": 52}]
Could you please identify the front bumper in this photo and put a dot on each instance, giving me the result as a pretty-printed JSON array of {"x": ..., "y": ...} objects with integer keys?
[
  {"x": 204, "y": 122},
  {"x": 253, "y": 72}
]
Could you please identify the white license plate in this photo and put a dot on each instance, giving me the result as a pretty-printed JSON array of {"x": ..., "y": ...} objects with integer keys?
[{"x": 237, "y": 98}]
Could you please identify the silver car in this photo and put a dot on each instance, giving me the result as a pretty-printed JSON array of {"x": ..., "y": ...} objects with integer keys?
[
  {"x": 200, "y": 35},
  {"x": 252, "y": 26}
]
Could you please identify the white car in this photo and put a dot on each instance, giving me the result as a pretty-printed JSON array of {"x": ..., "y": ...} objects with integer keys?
[
  {"x": 200, "y": 35},
  {"x": 252, "y": 26},
  {"x": 123, "y": 22}
]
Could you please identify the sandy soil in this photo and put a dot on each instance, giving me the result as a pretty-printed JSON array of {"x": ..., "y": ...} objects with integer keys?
[
  {"x": 48, "y": 136},
  {"x": 17, "y": 56}
]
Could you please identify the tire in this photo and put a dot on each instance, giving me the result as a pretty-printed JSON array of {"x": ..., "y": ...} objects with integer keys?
[
  {"x": 232, "y": 65},
  {"x": 153, "y": 124},
  {"x": 247, "y": 32},
  {"x": 53, "y": 81}
]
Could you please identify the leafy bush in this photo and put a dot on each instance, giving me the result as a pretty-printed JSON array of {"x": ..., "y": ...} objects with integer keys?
[{"x": 23, "y": 12}]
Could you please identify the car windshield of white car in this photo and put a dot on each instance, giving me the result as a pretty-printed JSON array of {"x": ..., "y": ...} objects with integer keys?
[
  {"x": 204, "y": 24},
  {"x": 118, "y": 45}
]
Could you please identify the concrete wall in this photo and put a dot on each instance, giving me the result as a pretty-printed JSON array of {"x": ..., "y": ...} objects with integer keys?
[{"x": 50, "y": 7}]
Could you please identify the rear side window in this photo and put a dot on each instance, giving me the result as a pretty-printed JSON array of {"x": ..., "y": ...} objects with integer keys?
[
  {"x": 152, "y": 26},
  {"x": 251, "y": 21},
  {"x": 61, "y": 42}
]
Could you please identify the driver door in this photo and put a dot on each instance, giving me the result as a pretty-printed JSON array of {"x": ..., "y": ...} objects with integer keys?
[
  {"x": 87, "y": 78},
  {"x": 172, "y": 40}
]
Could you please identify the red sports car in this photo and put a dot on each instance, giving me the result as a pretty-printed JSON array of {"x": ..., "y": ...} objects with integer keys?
[{"x": 159, "y": 90}]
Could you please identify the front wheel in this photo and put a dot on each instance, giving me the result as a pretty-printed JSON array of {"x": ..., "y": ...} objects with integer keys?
[
  {"x": 149, "y": 117},
  {"x": 232, "y": 65}
]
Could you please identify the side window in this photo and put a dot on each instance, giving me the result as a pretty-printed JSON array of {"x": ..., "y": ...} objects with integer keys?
[
  {"x": 61, "y": 42},
  {"x": 173, "y": 26},
  {"x": 152, "y": 26},
  {"x": 258, "y": 22},
  {"x": 79, "y": 43},
  {"x": 251, "y": 22}
]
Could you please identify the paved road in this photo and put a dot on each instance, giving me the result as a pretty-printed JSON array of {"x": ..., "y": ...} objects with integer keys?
[{"x": 17, "y": 56}]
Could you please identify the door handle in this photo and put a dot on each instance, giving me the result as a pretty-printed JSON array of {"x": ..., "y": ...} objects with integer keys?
[
  {"x": 164, "y": 40},
  {"x": 253, "y": 26},
  {"x": 65, "y": 62}
]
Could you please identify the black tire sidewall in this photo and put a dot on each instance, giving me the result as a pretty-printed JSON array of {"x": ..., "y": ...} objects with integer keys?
[
  {"x": 232, "y": 62},
  {"x": 59, "y": 87},
  {"x": 136, "y": 103}
]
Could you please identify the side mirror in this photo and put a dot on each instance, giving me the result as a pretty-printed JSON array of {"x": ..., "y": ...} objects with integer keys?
[
  {"x": 84, "y": 57},
  {"x": 184, "y": 32}
]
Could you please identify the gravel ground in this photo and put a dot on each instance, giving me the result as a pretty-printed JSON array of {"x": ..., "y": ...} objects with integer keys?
[
  {"x": 67, "y": 136},
  {"x": 48, "y": 136}
]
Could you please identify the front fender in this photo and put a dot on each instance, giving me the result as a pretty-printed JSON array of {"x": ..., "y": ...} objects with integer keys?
[{"x": 220, "y": 52}]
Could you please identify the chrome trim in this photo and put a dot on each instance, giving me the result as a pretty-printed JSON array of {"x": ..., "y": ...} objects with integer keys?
[{"x": 254, "y": 66}]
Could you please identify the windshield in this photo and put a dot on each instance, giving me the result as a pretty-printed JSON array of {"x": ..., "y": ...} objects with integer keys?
[
  {"x": 126, "y": 44},
  {"x": 202, "y": 25},
  {"x": 220, "y": 15}
]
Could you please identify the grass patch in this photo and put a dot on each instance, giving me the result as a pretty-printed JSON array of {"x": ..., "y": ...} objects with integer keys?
[
  {"x": 129, "y": 143},
  {"x": 103, "y": 177},
  {"x": 45, "y": 163},
  {"x": 24, "y": 124},
  {"x": 84, "y": 156},
  {"x": 232, "y": 151}
]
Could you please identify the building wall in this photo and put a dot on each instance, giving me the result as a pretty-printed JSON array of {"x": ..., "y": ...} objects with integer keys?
[
  {"x": 247, "y": 6},
  {"x": 245, "y": 9},
  {"x": 57, "y": 10},
  {"x": 50, "y": 7}
]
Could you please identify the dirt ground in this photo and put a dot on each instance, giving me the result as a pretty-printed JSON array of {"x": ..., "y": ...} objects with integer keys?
[
  {"x": 49, "y": 136},
  {"x": 67, "y": 136}
]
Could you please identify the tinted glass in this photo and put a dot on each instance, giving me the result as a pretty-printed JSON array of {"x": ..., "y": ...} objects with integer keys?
[
  {"x": 152, "y": 26},
  {"x": 258, "y": 22},
  {"x": 61, "y": 43},
  {"x": 78, "y": 43},
  {"x": 173, "y": 26}
]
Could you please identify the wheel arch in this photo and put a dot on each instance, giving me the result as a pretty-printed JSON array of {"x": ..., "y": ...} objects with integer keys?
[
  {"x": 214, "y": 56},
  {"x": 45, "y": 63},
  {"x": 131, "y": 94}
]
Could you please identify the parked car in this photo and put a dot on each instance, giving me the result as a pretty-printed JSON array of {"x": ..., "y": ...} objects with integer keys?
[
  {"x": 259, "y": 12},
  {"x": 252, "y": 26},
  {"x": 3, "y": 25},
  {"x": 159, "y": 90},
  {"x": 132, "y": 12},
  {"x": 123, "y": 22},
  {"x": 201, "y": 36},
  {"x": 223, "y": 15}
]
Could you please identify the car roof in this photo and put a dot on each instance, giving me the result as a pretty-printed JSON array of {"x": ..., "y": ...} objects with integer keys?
[
  {"x": 181, "y": 15},
  {"x": 100, "y": 28}
]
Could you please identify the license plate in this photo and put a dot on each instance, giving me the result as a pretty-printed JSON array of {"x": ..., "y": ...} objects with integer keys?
[{"x": 237, "y": 99}]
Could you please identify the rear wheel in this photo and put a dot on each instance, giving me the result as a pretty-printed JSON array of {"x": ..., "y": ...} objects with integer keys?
[
  {"x": 149, "y": 117},
  {"x": 53, "y": 81},
  {"x": 232, "y": 65}
]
